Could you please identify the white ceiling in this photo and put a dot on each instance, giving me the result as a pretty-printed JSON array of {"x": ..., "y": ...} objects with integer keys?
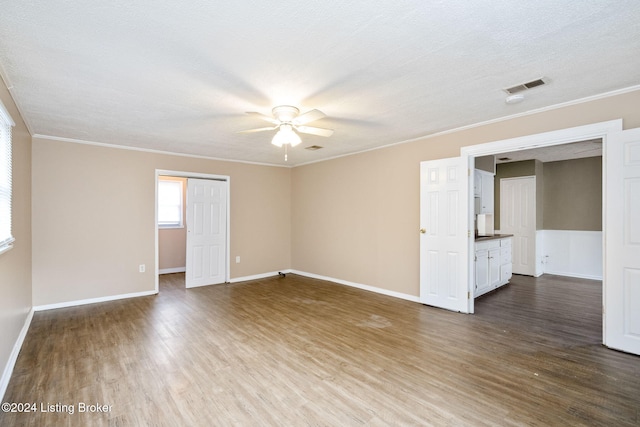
[{"x": 179, "y": 76}]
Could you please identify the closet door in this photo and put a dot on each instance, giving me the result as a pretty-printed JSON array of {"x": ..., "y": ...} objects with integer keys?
[
  {"x": 518, "y": 217},
  {"x": 206, "y": 232}
]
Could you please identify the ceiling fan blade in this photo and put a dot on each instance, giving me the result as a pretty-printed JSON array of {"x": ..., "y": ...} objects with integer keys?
[
  {"x": 263, "y": 117},
  {"x": 314, "y": 131},
  {"x": 258, "y": 130},
  {"x": 308, "y": 117}
]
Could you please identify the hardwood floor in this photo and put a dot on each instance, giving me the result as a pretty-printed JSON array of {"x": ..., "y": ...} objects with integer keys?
[{"x": 299, "y": 351}]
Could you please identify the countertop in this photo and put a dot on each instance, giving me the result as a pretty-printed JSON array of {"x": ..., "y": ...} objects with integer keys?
[{"x": 492, "y": 237}]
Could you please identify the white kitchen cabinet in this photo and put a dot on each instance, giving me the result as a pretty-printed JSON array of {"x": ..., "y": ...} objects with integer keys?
[
  {"x": 483, "y": 191},
  {"x": 494, "y": 267},
  {"x": 477, "y": 183},
  {"x": 486, "y": 200},
  {"x": 492, "y": 263}
]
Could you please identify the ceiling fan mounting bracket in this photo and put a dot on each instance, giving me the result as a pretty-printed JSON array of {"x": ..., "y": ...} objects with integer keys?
[{"x": 285, "y": 113}]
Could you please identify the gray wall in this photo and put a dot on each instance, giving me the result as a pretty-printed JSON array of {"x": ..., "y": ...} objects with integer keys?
[
  {"x": 486, "y": 163},
  {"x": 573, "y": 195},
  {"x": 516, "y": 169},
  {"x": 568, "y": 192}
]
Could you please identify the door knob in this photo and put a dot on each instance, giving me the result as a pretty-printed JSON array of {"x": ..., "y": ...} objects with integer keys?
[{"x": 423, "y": 230}]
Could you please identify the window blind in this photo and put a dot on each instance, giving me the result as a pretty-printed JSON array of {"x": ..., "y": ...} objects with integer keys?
[
  {"x": 6, "y": 123},
  {"x": 169, "y": 203}
]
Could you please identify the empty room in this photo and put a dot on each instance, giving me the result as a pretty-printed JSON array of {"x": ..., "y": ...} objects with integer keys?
[{"x": 320, "y": 213}]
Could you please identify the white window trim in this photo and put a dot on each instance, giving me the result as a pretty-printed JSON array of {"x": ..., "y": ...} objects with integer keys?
[{"x": 6, "y": 120}]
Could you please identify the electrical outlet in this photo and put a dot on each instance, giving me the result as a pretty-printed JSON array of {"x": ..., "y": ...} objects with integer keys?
[
  {"x": 237, "y": 260},
  {"x": 142, "y": 268}
]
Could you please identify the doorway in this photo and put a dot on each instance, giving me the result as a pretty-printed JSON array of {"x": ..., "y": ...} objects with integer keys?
[
  {"x": 547, "y": 139},
  {"x": 462, "y": 291},
  {"x": 207, "y": 196},
  {"x": 621, "y": 192}
]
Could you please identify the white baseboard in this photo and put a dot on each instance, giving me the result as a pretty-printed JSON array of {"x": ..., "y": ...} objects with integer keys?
[
  {"x": 13, "y": 357},
  {"x": 93, "y": 300},
  {"x": 258, "y": 276},
  {"x": 172, "y": 270},
  {"x": 360, "y": 286},
  {"x": 571, "y": 274},
  {"x": 330, "y": 279}
]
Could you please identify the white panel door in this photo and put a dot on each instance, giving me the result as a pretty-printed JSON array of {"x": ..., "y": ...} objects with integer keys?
[
  {"x": 518, "y": 217},
  {"x": 206, "y": 232},
  {"x": 444, "y": 241},
  {"x": 622, "y": 241}
]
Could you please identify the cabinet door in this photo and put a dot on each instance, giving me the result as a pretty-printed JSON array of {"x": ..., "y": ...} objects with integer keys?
[
  {"x": 482, "y": 272},
  {"x": 494, "y": 268},
  {"x": 505, "y": 273},
  {"x": 505, "y": 261},
  {"x": 486, "y": 203}
]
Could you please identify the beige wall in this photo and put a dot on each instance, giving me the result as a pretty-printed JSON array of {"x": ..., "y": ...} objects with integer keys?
[
  {"x": 356, "y": 218},
  {"x": 172, "y": 242},
  {"x": 573, "y": 196},
  {"x": 93, "y": 218},
  {"x": 15, "y": 265}
]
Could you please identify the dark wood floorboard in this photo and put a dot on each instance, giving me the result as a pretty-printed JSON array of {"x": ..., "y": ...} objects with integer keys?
[{"x": 300, "y": 351}]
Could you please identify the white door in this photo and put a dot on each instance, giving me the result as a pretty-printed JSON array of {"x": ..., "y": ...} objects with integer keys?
[
  {"x": 518, "y": 217},
  {"x": 206, "y": 232},
  {"x": 622, "y": 241},
  {"x": 444, "y": 241},
  {"x": 494, "y": 268}
]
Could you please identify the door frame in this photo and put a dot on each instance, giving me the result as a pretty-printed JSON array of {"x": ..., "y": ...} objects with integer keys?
[
  {"x": 545, "y": 139},
  {"x": 184, "y": 174}
]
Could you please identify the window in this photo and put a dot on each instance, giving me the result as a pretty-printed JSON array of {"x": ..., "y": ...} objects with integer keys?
[
  {"x": 169, "y": 203},
  {"x": 6, "y": 123}
]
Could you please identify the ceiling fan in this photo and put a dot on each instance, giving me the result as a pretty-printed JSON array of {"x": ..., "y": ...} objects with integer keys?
[{"x": 287, "y": 119}]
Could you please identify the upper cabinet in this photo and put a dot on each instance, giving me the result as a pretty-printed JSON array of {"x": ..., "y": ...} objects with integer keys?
[
  {"x": 483, "y": 191},
  {"x": 477, "y": 183}
]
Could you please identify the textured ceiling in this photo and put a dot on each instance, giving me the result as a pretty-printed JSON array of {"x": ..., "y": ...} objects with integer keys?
[
  {"x": 178, "y": 76},
  {"x": 555, "y": 153}
]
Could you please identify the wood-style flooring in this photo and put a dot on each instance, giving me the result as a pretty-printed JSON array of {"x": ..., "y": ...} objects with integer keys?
[{"x": 296, "y": 351}]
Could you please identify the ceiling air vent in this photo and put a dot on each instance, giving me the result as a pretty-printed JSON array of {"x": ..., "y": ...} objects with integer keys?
[
  {"x": 525, "y": 86},
  {"x": 313, "y": 147}
]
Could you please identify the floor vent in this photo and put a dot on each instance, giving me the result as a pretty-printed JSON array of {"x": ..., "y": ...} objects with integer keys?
[{"x": 525, "y": 86}]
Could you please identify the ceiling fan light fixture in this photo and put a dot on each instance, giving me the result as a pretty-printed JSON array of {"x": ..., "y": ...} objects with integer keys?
[{"x": 286, "y": 136}]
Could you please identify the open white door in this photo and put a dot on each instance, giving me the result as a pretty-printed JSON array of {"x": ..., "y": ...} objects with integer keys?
[
  {"x": 206, "y": 232},
  {"x": 518, "y": 217},
  {"x": 444, "y": 241},
  {"x": 622, "y": 241}
]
